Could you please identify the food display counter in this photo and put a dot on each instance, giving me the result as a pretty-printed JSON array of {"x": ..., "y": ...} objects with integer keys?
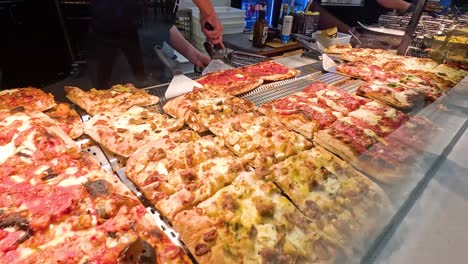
[{"x": 416, "y": 218}]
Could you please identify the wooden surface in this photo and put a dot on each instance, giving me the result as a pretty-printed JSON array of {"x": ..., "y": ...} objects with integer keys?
[{"x": 241, "y": 42}]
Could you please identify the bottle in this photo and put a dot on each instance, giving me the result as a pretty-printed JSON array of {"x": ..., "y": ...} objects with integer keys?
[
  {"x": 284, "y": 11},
  {"x": 260, "y": 28},
  {"x": 286, "y": 31}
]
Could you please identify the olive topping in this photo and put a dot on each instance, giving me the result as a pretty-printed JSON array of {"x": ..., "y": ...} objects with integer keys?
[
  {"x": 210, "y": 235},
  {"x": 20, "y": 224},
  {"x": 201, "y": 249},
  {"x": 138, "y": 252},
  {"x": 97, "y": 188}
]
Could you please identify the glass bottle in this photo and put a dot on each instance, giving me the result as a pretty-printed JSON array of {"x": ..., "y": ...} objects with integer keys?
[{"x": 260, "y": 28}]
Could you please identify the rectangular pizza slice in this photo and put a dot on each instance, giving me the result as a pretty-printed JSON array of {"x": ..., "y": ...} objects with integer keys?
[
  {"x": 430, "y": 90},
  {"x": 233, "y": 82},
  {"x": 250, "y": 221},
  {"x": 362, "y": 70},
  {"x": 345, "y": 204},
  {"x": 368, "y": 148},
  {"x": 117, "y": 98},
  {"x": 260, "y": 139},
  {"x": 180, "y": 170},
  {"x": 270, "y": 71},
  {"x": 393, "y": 94},
  {"x": 124, "y": 132},
  {"x": 200, "y": 108}
]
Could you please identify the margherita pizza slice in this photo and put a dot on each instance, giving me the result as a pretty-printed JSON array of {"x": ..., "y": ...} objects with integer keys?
[
  {"x": 345, "y": 204},
  {"x": 117, "y": 98},
  {"x": 270, "y": 71},
  {"x": 393, "y": 94},
  {"x": 260, "y": 139},
  {"x": 231, "y": 82},
  {"x": 28, "y": 98},
  {"x": 200, "y": 108},
  {"x": 67, "y": 118},
  {"x": 250, "y": 221},
  {"x": 124, "y": 132},
  {"x": 175, "y": 176}
]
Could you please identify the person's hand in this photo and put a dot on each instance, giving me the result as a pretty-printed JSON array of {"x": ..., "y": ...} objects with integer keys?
[
  {"x": 202, "y": 60},
  {"x": 215, "y": 35}
]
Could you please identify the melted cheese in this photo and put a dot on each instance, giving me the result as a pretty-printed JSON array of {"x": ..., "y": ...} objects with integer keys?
[
  {"x": 17, "y": 179},
  {"x": 332, "y": 185},
  {"x": 7, "y": 151},
  {"x": 72, "y": 181},
  {"x": 267, "y": 236},
  {"x": 161, "y": 168},
  {"x": 366, "y": 116}
]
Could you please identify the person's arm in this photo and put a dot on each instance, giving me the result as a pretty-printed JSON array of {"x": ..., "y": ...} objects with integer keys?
[
  {"x": 208, "y": 15},
  {"x": 179, "y": 43},
  {"x": 327, "y": 20},
  {"x": 399, "y": 5}
]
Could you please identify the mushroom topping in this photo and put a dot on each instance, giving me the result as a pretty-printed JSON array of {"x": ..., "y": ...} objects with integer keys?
[{"x": 97, "y": 188}]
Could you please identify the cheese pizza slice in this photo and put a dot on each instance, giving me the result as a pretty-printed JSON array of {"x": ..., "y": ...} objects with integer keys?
[
  {"x": 250, "y": 221},
  {"x": 179, "y": 171},
  {"x": 28, "y": 98},
  {"x": 124, "y": 132}
]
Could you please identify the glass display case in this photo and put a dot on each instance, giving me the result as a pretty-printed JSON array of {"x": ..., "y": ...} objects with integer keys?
[{"x": 420, "y": 209}]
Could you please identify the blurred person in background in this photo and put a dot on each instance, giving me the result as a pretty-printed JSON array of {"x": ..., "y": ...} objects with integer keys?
[{"x": 115, "y": 27}]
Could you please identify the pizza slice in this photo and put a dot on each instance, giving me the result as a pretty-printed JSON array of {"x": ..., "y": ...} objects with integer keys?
[
  {"x": 406, "y": 63},
  {"x": 124, "y": 132},
  {"x": 270, "y": 71},
  {"x": 28, "y": 98},
  {"x": 117, "y": 98},
  {"x": 67, "y": 118},
  {"x": 430, "y": 91},
  {"x": 200, "y": 108},
  {"x": 333, "y": 97},
  {"x": 231, "y": 82},
  {"x": 393, "y": 94},
  {"x": 376, "y": 57},
  {"x": 260, "y": 139},
  {"x": 250, "y": 221},
  {"x": 362, "y": 70},
  {"x": 338, "y": 49},
  {"x": 432, "y": 79},
  {"x": 177, "y": 176},
  {"x": 385, "y": 158},
  {"x": 451, "y": 74},
  {"x": 345, "y": 204}
]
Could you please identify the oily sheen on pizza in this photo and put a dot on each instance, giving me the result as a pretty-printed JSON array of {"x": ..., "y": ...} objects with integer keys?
[
  {"x": 233, "y": 82},
  {"x": 314, "y": 108},
  {"x": 345, "y": 204},
  {"x": 270, "y": 71},
  {"x": 58, "y": 205},
  {"x": 182, "y": 169},
  {"x": 28, "y": 98},
  {"x": 200, "y": 109},
  {"x": 260, "y": 139},
  {"x": 124, "y": 132},
  {"x": 250, "y": 221},
  {"x": 117, "y": 98}
]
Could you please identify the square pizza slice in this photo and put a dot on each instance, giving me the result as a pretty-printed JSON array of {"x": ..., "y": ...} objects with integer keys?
[
  {"x": 391, "y": 93},
  {"x": 180, "y": 170},
  {"x": 200, "y": 108},
  {"x": 250, "y": 221},
  {"x": 260, "y": 139},
  {"x": 124, "y": 132}
]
